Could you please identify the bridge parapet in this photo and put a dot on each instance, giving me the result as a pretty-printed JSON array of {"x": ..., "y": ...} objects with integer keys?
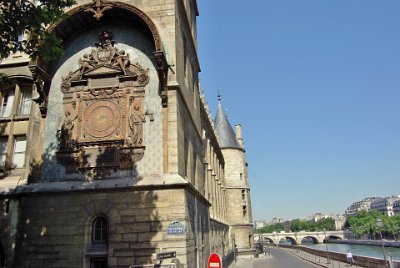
[{"x": 297, "y": 237}]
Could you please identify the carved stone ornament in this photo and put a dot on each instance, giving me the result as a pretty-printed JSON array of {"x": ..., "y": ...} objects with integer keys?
[
  {"x": 102, "y": 126},
  {"x": 106, "y": 60},
  {"x": 98, "y": 7},
  {"x": 40, "y": 89}
]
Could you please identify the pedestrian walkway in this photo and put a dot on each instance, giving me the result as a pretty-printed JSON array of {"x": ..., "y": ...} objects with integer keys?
[
  {"x": 270, "y": 260},
  {"x": 321, "y": 261},
  {"x": 247, "y": 262}
]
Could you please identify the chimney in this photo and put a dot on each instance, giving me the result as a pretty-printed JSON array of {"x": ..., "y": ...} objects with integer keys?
[{"x": 239, "y": 137}]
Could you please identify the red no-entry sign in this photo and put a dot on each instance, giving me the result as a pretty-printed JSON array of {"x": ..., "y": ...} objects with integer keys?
[{"x": 214, "y": 261}]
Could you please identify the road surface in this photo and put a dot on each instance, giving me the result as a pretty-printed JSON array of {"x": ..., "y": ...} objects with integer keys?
[{"x": 280, "y": 259}]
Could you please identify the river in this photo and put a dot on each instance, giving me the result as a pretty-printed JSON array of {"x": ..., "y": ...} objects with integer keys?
[{"x": 362, "y": 250}]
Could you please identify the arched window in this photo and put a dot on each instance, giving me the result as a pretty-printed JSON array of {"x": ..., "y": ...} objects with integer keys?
[{"x": 99, "y": 231}]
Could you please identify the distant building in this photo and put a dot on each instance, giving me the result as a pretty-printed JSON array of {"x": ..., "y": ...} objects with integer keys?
[
  {"x": 339, "y": 222},
  {"x": 396, "y": 207},
  {"x": 364, "y": 204},
  {"x": 385, "y": 205},
  {"x": 339, "y": 219},
  {"x": 259, "y": 224},
  {"x": 263, "y": 223},
  {"x": 276, "y": 220},
  {"x": 314, "y": 218}
]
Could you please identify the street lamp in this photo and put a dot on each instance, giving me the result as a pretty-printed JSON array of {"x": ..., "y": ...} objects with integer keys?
[
  {"x": 379, "y": 224},
  {"x": 328, "y": 261}
]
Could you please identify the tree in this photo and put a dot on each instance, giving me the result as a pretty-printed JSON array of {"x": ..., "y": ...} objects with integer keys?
[
  {"x": 271, "y": 228},
  {"x": 311, "y": 226},
  {"x": 23, "y": 17},
  {"x": 327, "y": 224},
  {"x": 365, "y": 223}
]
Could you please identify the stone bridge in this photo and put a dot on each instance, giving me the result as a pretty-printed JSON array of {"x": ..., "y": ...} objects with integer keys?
[{"x": 297, "y": 237}]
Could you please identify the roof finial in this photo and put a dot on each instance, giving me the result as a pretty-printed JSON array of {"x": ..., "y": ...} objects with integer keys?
[{"x": 219, "y": 96}]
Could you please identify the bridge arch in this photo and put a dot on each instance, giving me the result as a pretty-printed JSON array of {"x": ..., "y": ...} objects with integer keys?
[
  {"x": 333, "y": 237},
  {"x": 297, "y": 237},
  {"x": 266, "y": 240},
  {"x": 288, "y": 238},
  {"x": 309, "y": 237}
]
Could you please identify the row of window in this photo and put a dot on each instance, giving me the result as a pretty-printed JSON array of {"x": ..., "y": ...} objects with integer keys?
[
  {"x": 17, "y": 155},
  {"x": 8, "y": 101},
  {"x": 15, "y": 100}
]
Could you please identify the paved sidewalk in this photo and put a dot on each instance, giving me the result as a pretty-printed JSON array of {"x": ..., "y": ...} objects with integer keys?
[
  {"x": 321, "y": 261},
  {"x": 247, "y": 262},
  {"x": 312, "y": 259}
]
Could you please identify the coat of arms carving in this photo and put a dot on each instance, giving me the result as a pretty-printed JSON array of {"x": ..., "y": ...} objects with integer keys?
[{"x": 102, "y": 127}]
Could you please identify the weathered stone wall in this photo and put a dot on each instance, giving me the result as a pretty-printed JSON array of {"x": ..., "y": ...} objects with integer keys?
[
  {"x": 238, "y": 197},
  {"x": 190, "y": 148},
  {"x": 198, "y": 229},
  {"x": 235, "y": 205},
  {"x": 236, "y": 174},
  {"x": 220, "y": 238},
  {"x": 54, "y": 229},
  {"x": 9, "y": 216},
  {"x": 243, "y": 236},
  {"x": 161, "y": 12},
  {"x": 186, "y": 59}
]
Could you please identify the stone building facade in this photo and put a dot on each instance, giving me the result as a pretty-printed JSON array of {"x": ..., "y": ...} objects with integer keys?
[
  {"x": 385, "y": 205},
  {"x": 357, "y": 206},
  {"x": 236, "y": 181},
  {"x": 109, "y": 156}
]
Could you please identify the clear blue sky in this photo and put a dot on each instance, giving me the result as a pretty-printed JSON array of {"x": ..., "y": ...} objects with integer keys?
[{"x": 316, "y": 87}]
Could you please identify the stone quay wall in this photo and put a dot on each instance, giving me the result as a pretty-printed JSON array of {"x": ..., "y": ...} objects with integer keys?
[{"x": 363, "y": 261}]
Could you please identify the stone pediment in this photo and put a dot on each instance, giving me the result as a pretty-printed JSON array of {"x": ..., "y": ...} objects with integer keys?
[{"x": 103, "y": 71}]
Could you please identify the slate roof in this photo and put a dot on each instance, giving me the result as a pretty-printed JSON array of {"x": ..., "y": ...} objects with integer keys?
[{"x": 226, "y": 135}]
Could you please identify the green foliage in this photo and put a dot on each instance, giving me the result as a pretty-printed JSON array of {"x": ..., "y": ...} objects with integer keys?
[
  {"x": 24, "y": 17},
  {"x": 365, "y": 223},
  {"x": 298, "y": 225},
  {"x": 271, "y": 228},
  {"x": 327, "y": 224}
]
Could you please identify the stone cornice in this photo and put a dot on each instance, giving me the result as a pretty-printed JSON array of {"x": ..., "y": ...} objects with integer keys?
[{"x": 161, "y": 182}]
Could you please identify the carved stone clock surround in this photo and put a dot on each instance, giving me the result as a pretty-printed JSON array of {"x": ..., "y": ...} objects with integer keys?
[{"x": 102, "y": 128}]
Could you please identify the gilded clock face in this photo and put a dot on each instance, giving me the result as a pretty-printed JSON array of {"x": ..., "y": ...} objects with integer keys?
[{"x": 101, "y": 119}]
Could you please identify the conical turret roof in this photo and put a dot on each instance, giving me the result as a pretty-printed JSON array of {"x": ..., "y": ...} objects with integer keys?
[{"x": 226, "y": 135}]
